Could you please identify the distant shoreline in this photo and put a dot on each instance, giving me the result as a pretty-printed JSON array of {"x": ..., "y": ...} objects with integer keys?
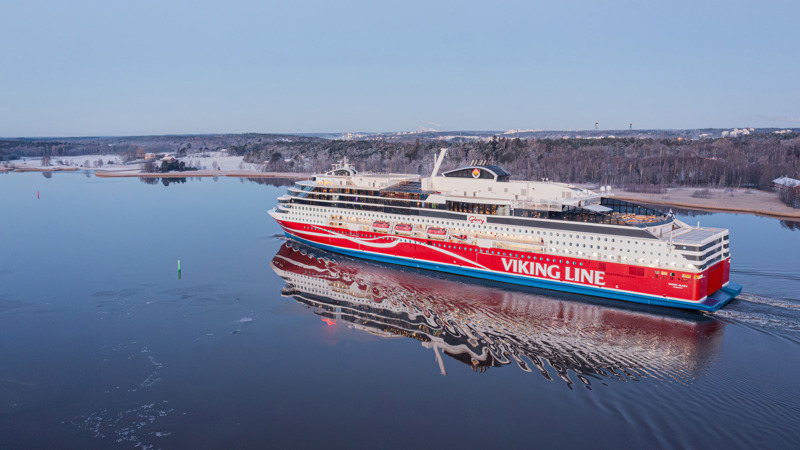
[
  {"x": 203, "y": 173},
  {"x": 737, "y": 201},
  {"x": 29, "y": 168},
  {"x": 732, "y": 201}
]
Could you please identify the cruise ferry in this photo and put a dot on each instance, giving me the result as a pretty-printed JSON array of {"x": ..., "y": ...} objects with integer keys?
[
  {"x": 477, "y": 221},
  {"x": 488, "y": 327}
]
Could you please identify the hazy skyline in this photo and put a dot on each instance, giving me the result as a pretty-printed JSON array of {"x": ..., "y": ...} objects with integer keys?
[{"x": 130, "y": 68}]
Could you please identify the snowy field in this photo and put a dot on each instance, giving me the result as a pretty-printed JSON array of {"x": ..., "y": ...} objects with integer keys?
[{"x": 205, "y": 161}]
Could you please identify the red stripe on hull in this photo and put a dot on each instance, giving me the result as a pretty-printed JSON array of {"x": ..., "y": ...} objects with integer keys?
[{"x": 667, "y": 283}]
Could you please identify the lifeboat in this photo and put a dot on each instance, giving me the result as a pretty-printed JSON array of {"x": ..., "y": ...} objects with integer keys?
[
  {"x": 460, "y": 237},
  {"x": 436, "y": 233},
  {"x": 380, "y": 225},
  {"x": 402, "y": 228}
]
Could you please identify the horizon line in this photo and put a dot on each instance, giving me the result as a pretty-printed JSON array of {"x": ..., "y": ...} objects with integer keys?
[{"x": 377, "y": 133}]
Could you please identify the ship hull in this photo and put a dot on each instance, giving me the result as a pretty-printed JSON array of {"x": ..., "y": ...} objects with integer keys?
[{"x": 708, "y": 291}]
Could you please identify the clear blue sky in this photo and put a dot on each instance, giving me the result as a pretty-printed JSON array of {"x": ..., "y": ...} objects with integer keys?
[{"x": 76, "y": 68}]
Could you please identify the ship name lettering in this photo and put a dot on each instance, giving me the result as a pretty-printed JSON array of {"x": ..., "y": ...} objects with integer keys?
[
  {"x": 552, "y": 271},
  {"x": 473, "y": 219},
  {"x": 585, "y": 276}
]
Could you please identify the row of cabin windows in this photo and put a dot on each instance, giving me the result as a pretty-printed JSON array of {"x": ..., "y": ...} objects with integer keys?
[
  {"x": 479, "y": 208},
  {"x": 366, "y": 192},
  {"x": 591, "y": 247},
  {"x": 574, "y": 214}
]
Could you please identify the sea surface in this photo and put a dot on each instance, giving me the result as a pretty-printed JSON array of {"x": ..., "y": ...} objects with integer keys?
[{"x": 258, "y": 342}]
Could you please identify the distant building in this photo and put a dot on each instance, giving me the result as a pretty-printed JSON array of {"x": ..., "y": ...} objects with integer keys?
[
  {"x": 788, "y": 190},
  {"x": 786, "y": 182},
  {"x": 737, "y": 132},
  {"x": 149, "y": 156},
  {"x": 168, "y": 158}
]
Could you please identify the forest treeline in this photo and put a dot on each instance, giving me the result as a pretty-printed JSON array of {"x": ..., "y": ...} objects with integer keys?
[
  {"x": 649, "y": 164},
  {"x": 135, "y": 146},
  {"x": 748, "y": 161}
]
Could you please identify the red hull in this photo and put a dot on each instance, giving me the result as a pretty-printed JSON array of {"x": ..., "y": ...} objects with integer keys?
[{"x": 602, "y": 275}]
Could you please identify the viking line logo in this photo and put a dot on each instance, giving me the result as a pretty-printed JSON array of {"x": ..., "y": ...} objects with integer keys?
[
  {"x": 476, "y": 173},
  {"x": 554, "y": 272}
]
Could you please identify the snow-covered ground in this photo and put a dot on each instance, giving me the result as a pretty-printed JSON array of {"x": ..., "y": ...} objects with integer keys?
[
  {"x": 86, "y": 161},
  {"x": 205, "y": 161}
]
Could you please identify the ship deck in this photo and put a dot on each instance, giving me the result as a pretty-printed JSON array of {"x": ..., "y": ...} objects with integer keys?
[{"x": 695, "y": 236}]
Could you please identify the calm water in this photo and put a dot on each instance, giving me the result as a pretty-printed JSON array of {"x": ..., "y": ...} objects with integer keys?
[{"x": 103, "y": 345}]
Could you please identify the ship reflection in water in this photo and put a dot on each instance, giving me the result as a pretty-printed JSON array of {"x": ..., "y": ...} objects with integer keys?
[{"x": 484, "y": 326}]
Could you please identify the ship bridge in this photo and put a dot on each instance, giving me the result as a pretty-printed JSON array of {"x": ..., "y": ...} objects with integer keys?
[{"x": 485, "y": 172}]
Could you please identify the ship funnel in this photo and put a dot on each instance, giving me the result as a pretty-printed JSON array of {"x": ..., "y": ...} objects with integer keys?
[{"x": 439, "y": 160}]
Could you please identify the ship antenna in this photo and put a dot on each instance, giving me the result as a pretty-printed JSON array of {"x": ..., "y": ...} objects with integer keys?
[{"x": 439, "y": 160}]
